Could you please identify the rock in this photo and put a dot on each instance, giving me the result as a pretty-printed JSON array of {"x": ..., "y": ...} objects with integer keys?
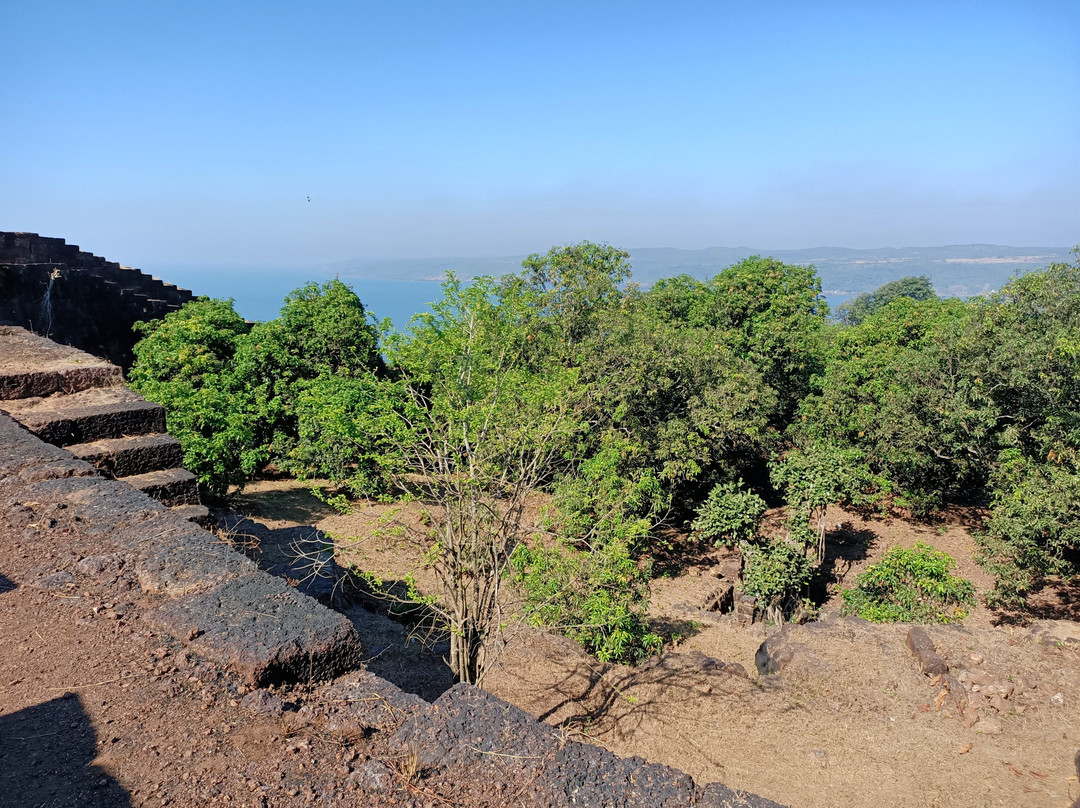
[
  {"x": 729, "y": 569},
  {"x": 264, "y": 630},
  {"x": 975, "y": 680},
  {"x": 374, "y": 703},
  {"x": 717, "y": 795},
  {"x": 592, "y": 777},
  {"x": 100, "y": 564},
  {"x": 466, "y": 725},
  {"x": 720, "y": 599},
  {"x": 969, "y": 716},
  {"x": 184, "y": 559},
  {"x": 735, "y": 669},
  {"x": 262, "y": 702},
  {"x": 988, "y": 726},
  {"x": 374, "y": 776},
  {"x": 922, "y": 648},
  {"x": 778, "y": 653},
  {"x": 745, "y": 609},
  {"x": 58, "y": 580},
  {"x": 1057, "y": 700}
]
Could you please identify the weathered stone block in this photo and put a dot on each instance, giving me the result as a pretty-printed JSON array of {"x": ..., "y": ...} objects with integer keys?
[
  {"x": 178, "y": 559},
  {"x": 467, "y": 724},
  {"x": 592, "y": 777},
  {"x": 263, "y": 630},
  {"x": 125, "y": 457}
]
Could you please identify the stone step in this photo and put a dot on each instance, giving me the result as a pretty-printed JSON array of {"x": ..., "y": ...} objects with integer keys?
[
  {"x": 198, "y": 514},
  {"x": 89, "y": 415},
  {"x": 264, "y": 630},
  {"x": 34, "y": 366},
  {"x": 128, "y": 456},
  {"x": 170, "y": 487}
]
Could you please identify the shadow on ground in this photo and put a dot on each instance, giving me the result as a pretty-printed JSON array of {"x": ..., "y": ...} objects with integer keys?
[
  {"x": 399, "y": 642},
  {"x": 291, "y": 504},
  {"x": 845, "y": 545},
  {"x": 45, "y": 754},
  {"x": 1052, "y": 599},
  {"x": 6, "y": 584}
]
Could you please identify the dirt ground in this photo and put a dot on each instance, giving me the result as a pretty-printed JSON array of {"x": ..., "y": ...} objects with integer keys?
[{"x": 851, "y": 722}]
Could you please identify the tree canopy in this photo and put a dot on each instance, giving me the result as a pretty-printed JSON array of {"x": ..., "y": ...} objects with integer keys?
[{"x": 688, "y": 405}]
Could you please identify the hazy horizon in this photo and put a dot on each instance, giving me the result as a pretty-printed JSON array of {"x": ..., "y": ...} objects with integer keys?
[{"x": 211, "y": 134}]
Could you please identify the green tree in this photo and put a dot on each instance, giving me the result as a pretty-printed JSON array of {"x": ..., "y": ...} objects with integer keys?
[
  {"x": 913, "y": 287},
  {"x": 896, "y": 388},
  {"x": 322, "y": 331},
  {"x": 763, "y": 311},
  {"x": 185, "y": 363},
  {"x": 484, "y": 432}
]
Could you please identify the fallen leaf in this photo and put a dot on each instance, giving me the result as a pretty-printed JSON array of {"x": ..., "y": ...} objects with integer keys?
[
  {"x": 924, "y": 708},
  {"x": 1038, "y": 774},
  {"x": 1014, "y": 770},
  {"x": 964, "y": 750},
  {"x": 940, "y": 699}
]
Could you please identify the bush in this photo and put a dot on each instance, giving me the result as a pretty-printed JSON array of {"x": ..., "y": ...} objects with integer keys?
[
  {"x": 1034, "y": 527},
  {"x": 595, "y": 598},
  {"x": 335, "y": 438},
  {"x": 185, "y": 363},
  {"x": 775, "y": 573},
  {"x": 910, "y": 585},
  {"x": 730, "y": 515}
]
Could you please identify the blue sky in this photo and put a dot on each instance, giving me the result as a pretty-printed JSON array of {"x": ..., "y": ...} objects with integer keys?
[{"x": 166, "y": 133}]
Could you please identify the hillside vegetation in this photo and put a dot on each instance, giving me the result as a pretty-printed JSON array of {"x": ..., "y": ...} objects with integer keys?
[{"x": 691, "y": 405}]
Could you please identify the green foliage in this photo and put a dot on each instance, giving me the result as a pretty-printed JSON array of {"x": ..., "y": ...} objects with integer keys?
[
  {"x": 480, "y": 427},
  {"x": 910, "y": 585},
  {"x": 766, "y": 313},
  {"x": 859, "y": 308},
  {"x": 730, "y": 515},
  {"x": 820, "y": 475},
  {"x": 571, "y": 287},
  {"x": 605, "y": 501},
  {"x": 1034, "y": 527},
  {"x": 776, "y": 573},
  {"x": 976, "y": 402},
  {"x": 235, "y": 399},
  {"x": 322, "y": 331},
  {"x": 891, "y": 391},
  {"x": 335, "y": 436},
  {"x": 596, "y": 598},
  {"x": 184, "y": 362}
]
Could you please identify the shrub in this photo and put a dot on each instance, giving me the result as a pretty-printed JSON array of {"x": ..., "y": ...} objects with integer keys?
[
  {"x": 336, "y": 435},
  {"x": 595, "y": 598},
  {"x": 730, "y": 515},
  {"x": 910, "y": 585},
  {"x": 1034, "y": 527},
  {"x": 184, "y": 362},
  {"x": 775, "y": 573}
]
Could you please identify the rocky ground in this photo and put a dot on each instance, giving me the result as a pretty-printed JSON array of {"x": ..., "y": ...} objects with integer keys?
[{"x": 834, "y": 713}]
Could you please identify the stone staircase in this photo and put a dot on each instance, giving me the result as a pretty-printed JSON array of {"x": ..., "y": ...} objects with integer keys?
[
  {"x": 32, "y": 249},
  {"x": 78, "y": 298},
  {"x": 76, "y": 401}
]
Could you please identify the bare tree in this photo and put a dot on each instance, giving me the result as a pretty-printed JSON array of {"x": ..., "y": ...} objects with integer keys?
[{"x": 478, "y": 431}]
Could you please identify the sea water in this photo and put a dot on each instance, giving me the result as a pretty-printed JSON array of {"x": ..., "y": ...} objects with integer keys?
[{"x": 258, "y": 294}]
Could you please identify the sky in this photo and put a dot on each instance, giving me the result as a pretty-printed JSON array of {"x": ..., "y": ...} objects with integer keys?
[{"x": 288, "y": 134}]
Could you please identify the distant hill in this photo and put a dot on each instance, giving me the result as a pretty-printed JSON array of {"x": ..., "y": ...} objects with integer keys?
[{"x": 957, "y": 270}]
